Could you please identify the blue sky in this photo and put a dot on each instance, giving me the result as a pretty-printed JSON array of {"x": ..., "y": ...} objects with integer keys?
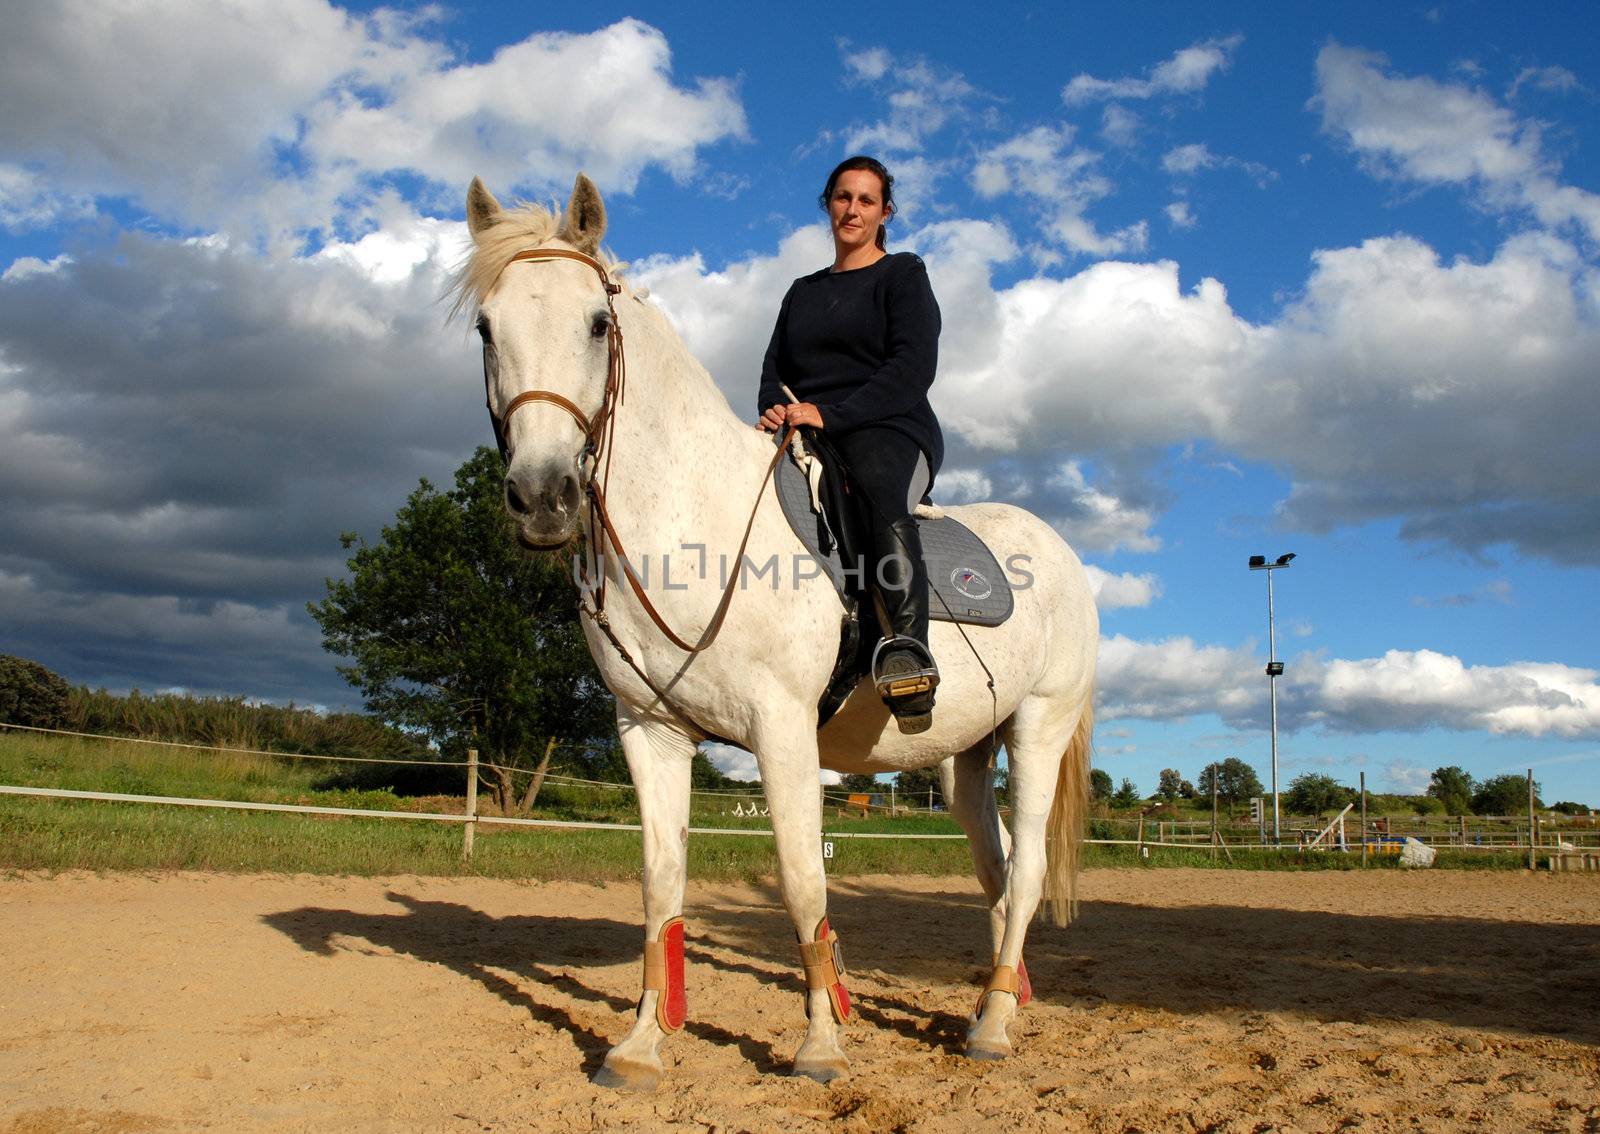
[{"x": 1216, "y": 282}]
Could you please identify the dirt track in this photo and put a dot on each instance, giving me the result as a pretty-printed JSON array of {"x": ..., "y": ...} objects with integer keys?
[{"x": 1182, "y": 1000}]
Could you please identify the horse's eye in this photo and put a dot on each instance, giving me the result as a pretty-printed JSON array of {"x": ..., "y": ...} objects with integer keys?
[
  {"x": 483, "y": 328},
  {"x": 599, "y": 327}
]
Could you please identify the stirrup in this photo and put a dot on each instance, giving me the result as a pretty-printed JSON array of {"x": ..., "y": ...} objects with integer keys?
[{"x": 904, "y": 678}]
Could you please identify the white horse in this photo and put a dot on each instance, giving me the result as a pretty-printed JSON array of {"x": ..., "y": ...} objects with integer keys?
[{"x": 681, "y": 476}]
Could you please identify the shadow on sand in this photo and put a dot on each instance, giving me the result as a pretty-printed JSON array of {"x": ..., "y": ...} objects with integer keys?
[{"x": 1504, "y": 976}]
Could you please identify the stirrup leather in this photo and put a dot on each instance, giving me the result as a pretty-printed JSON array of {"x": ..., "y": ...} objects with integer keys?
[
  {"x": 824, "y": 965},
  {"x": 908, "y": 684},
  {"x": 663, "y": 973}
]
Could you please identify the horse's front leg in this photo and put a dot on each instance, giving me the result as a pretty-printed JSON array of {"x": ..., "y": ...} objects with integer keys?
[
  {"x": 659, "y": 758},
  {"x": 788, "y": 762}
]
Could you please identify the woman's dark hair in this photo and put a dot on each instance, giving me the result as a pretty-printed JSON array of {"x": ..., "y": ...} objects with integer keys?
[{"x": 870, "y": 165}]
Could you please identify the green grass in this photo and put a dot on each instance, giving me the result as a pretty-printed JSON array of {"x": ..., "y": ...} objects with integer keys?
[{"x": 49, "y": 834}]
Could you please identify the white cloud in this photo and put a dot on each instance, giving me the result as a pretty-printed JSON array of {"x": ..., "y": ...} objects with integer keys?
[
  {"x": 923, "y": 98},
  {"x": 604, "y": 102},
  {"x": 24, "y": 266},
  {"x": 1099, "y": 520},
  {"x": 1552, "y": 80},
  {"x": 1407, "y": 779},
  {"x": 1187, "y": 72},
  {"x": 1437, "y": 133},
  {"x": 737, "y": 764},
  {"x": 26, "y": 201},
  {"x": 1124, "y": 590},
  {"x": 1043, "y": 165},
  {"x": 1402, "y": 691},
  {"x": 964, "y": 486},
  {"x": 1174, "y": 678},
  {"x": 1188, "y": 159},
  {"x": 1409, "y": 690},
  {"x": 177, "y": 105},
  {"x": 1119, "y": 126},
  {"x": 1179, "y": 216},
  {"x": 404, "y": 243}
]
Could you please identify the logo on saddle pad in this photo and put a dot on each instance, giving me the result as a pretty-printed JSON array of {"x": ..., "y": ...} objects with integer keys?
[{"x": 968, "y": 582}]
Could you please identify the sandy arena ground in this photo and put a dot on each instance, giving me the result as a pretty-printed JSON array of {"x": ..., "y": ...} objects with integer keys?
[{"x": 1181, "y": 1000}]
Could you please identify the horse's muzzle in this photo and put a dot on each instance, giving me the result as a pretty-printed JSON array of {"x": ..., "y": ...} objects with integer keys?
[{"x": 544, "y": 505}]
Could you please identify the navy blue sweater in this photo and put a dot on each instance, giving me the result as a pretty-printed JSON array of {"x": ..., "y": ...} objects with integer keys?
[{"x": 862, "y": 346}]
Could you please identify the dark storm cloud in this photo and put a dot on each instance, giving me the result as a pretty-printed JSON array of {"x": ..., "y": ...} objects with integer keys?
[{"x": 189, "y": 430}]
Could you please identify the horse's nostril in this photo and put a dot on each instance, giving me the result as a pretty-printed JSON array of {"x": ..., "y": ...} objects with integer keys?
[
  {"x": 569, "y": 493},
  {"x": 564, "y": 497},
  {"x": 514, "y": 501}
]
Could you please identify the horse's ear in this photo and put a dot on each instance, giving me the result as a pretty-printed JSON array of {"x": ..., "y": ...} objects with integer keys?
[
  {"x": 585, "y": 222},
  {"x": 483, "y": 211}
]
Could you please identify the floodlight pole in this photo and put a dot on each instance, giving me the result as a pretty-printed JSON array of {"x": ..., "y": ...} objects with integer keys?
[
  {"x": 1272, "y": 685},
  {"x": 1274, "y": 669}
]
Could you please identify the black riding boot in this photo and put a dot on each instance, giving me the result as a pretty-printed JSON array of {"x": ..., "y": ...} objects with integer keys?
[{"x": 902, "y": 666}]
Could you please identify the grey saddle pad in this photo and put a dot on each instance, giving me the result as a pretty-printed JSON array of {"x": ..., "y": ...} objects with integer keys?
[{"x": 966, "y": 581}]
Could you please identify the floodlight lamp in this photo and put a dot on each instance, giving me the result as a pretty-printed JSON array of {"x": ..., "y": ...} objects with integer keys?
[
  {"x": 1258, "y": 561},
  {"x": 1283, "y": 560}
]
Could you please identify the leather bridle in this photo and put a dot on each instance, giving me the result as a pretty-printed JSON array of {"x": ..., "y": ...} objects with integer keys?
[{"x": 598, "y": 448}]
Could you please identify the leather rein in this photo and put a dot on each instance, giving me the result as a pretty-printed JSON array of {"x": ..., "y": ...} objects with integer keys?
[{"x": 598, "y": 436}]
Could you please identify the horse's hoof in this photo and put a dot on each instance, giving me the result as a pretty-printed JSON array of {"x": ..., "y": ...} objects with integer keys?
[
  {"x": 634, "y": 1078},
  {"x": 986, "y": 1052},
  {"x": 822, "y": 1070}
]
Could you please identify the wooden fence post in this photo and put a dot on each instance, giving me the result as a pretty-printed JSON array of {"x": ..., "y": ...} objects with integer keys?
[
  {"x": 1214, "y": 778},
  {"x": 1533, "y": 862},
  {"x": 1363, "y": 818},
  {"x": 470, "y": 827}
]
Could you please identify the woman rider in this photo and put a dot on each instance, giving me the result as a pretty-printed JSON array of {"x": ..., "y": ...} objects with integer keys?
[{"x": 858, "y": 343}]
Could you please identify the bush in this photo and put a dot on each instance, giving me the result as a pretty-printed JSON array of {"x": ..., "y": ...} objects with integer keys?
[
  {"x": 1504, "y": 795},
  {"x": 31, "y": 695}
]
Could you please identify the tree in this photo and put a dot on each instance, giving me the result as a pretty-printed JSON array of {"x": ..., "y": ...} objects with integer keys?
[
  {"x": 32, "y": 695},
  {"x": 1100, "y": 785},
  {"x": 1504, "y": 795},
  {"x": 706, "y": 776},
  {"x": 1236, "y": 781},
  {"x": 1127, "y": 795},
  {"x": 861, "y": 783},
  {"x": 1453, "y": 787},
  {"x": 1313, "y": 794},
  {"x": 456, "y": 632},
  {"x": 912, "y": 786},
  {"x": 1170, "y": 785}
]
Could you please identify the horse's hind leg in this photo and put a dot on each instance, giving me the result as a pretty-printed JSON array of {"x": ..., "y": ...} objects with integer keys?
[
  {"x": 1037, "y": 736},
  {"x": 967, "y": 781},
  {"x": 659, "y": 759}
]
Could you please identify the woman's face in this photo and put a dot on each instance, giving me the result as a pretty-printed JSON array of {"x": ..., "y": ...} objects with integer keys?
[{"x": 856, "y": 208}]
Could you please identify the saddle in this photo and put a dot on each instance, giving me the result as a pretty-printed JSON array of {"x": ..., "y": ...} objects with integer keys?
[{"x": 965, "y": 581}]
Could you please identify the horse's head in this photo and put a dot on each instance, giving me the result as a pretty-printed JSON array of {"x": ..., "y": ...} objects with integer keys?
[{"x": 550, "y": 345}]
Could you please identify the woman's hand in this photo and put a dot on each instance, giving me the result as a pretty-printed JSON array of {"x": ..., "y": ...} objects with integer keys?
[
  {"x": 779, "y": 417},
  {"x": 802, "y": 413}
]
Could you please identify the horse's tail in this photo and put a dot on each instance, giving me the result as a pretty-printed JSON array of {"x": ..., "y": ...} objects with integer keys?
[{"x": 1064, "y": 835}]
